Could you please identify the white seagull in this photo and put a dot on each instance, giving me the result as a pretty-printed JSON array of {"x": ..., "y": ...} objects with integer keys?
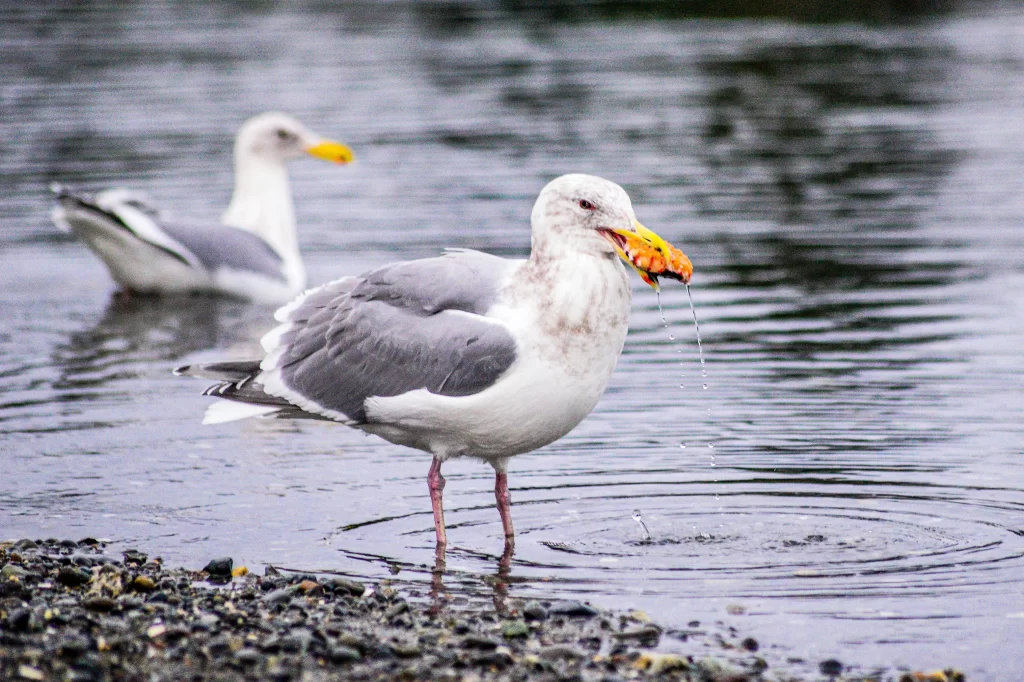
[
  {"x": 467, "y": 354},
  {"x": 253, "y": 254}
]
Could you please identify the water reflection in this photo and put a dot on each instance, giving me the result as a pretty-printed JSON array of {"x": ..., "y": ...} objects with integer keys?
[
  {"x": 792, "y": 135},
  {"x": 137, "y": 333}
]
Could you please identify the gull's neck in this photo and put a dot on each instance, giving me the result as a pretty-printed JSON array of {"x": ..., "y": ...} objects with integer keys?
[
  {"x": 578, "y": 300},
  {"x": 262, "y": 204}
]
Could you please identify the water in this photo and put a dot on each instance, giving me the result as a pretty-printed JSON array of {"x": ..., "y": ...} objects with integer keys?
[{"x": 851, "y": 198}]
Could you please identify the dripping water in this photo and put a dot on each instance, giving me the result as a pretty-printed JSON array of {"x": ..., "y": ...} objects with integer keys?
[
  {"x": 672, "y": 338},
  {"x": 696, "y": 325},
  {"x": 638, "y": 517}
]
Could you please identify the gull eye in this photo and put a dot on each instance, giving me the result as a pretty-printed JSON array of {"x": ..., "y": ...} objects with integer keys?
[
  {"x": 283, "y": 134},
  {"x": 587, "y": 205}
]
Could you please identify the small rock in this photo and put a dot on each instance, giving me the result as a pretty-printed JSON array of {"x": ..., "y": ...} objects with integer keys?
[
  {"x": 143, "y": 583},
  {"x": 219, "y": 567},
  {"x": 343, "y": 585},
  {"x": 208, "y": 619},
  {"x": 534, "y": 611},
  {"x": 73, "y": 577},
  {"x": 27, "y": 672},
  {"x": 12, "y": 571},
  {"x": 343, "y": 654},
  {"x": 735, "y": 609},
  {"x": 478, "y": 642},
  {"x": 396, "y": 610},
  {"x": 279, "y": 596},
  {"x": 20, "y": 620},
  {"x": 134, "y": 556},
  {"x": 239, "y": 571},
  {"x": 655, "y": 663},
  {"x": 406, "y": 650},
  {"x": 572, "y": 608},
  {"x": 248, "y": 656},
  {"x": 310, "y": 588},
  {"x": 750, "y": 644},
  {"x": 100, "y": 604},
  {"x": 647, "y": 635},
  {"x": 514, "y": 628},
  {"x": 26, "y": 544},
  {"x": 560, "y": 652},
  {"x": 71, "y": 646},
  {"x": 831, "y": 668}
]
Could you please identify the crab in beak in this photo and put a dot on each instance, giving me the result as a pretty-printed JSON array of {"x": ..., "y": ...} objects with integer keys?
[{"x": 650, "y": 255}]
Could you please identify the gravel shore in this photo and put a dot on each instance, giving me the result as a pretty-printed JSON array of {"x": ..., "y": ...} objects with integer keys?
[{"x": 68, "y": 611}]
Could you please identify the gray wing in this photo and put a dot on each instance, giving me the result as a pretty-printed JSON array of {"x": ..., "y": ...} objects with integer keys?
[
  {"x": 211, "y": 246},
  {"x": 217, "y": 246},
  {"x": 396, "y": 329}
]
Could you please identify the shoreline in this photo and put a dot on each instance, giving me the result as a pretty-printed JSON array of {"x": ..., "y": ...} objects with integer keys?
[{"x": 68, "y": 611}]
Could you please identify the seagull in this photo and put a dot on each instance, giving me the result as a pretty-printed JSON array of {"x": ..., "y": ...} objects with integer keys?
[
  {"x": 253, "y": 254},
  {"x": 466, "y": 354}
]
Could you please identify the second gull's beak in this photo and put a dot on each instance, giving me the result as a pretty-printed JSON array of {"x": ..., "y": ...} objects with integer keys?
[
  {"x": 329, "y": 150},
  {"x": 649, "y": 254}
]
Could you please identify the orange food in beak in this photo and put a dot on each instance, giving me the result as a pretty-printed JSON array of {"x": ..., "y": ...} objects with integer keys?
[{"x": 650, "y": 255}]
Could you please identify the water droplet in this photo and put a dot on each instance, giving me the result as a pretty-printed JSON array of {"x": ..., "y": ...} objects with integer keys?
[
  {"x": 711, "y": 445},
  {"x": 682, "y": 446},
  {"x": 671, "y": 337},
  {"x": 640, "y": 519},
  {"x": 682, "y": 385},
  {"x": 705, "y": 386}
]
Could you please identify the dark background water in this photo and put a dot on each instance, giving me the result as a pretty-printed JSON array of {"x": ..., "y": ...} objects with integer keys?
[{"x": 850, "y": 191}]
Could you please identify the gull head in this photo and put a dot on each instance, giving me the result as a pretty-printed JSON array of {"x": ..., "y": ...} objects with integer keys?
[
  {"x": 586, "y": 214},
  {"x": 279, "y": 138}
]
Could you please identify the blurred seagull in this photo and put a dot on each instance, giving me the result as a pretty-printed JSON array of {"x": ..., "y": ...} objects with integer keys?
[
  {"x": 254, "y": 254},
  {"x": 466, "y": 354}
]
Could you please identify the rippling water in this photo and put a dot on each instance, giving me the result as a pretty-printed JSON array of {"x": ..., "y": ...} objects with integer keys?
[{"x": 852, "y": 482}]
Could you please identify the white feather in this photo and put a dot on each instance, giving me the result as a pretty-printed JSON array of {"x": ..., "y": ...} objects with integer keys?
[{"x": 224, "y": 411}]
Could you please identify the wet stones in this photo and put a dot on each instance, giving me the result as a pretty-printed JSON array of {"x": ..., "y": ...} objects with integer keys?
[
  {"x": 67, "y": 612},
  {"x": 831, "y": 668},
  {"x": 219, "y": 568},
  {"x": 514, "y": 628},
  {"x": 340, "y": 585},
  {"x": 143, "y": 583},
  {"x": 339, "y": 653},
  {"x": 572, "y": 609},
  {"x": 73, "y": 577},
  {"x": 99, "y": 604},
  {"x": 534, "y": 611}
]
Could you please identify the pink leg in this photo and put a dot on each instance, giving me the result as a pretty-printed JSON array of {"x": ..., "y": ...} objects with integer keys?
[
  {"x": 435, "y": 482},
  {"x": 504, "y": 501}
]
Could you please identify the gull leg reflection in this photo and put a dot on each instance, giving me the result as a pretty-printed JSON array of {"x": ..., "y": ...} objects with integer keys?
[
  {"x": 438, "y": 593},
  {"x": 501, "y": 580}
]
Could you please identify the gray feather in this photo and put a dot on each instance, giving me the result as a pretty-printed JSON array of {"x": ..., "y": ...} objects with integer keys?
[
  {"x": 217, "y": 246},
  {"x": 396, "y": 330}
]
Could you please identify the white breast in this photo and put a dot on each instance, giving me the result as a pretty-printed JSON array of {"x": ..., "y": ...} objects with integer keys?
[{"x": 570, "y": 326}]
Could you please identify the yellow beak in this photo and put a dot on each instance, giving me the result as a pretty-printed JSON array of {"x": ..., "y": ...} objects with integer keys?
[
  {"x": 329, "y": 150},
  {"x": 649, "y": 254}
]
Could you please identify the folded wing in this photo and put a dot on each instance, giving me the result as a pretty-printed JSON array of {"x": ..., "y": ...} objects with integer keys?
[{"x": 403, "y": 327}]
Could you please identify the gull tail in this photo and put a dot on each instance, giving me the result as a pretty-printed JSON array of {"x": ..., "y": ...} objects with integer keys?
[{"x": 241, "y": 389}]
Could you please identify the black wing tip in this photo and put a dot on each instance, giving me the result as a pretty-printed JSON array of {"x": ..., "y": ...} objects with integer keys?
[{"x": 181, "y": 371}]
